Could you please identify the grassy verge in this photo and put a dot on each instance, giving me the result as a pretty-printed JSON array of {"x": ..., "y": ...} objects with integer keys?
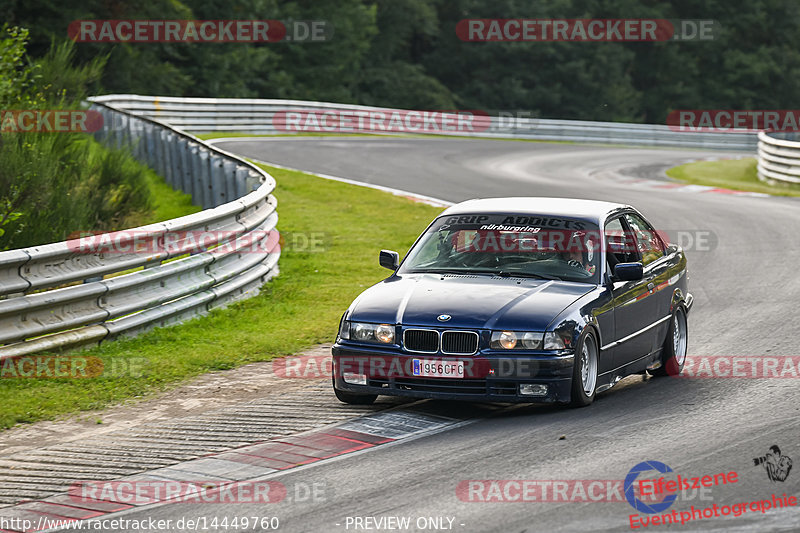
[
  {"x": 299, "y": 308},
  {"x": 736, "y": 174},
  {"x": 165, "y": 202}
]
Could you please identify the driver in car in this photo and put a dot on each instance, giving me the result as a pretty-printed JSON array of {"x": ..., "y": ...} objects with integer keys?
[{"x": 576, "y": 257}]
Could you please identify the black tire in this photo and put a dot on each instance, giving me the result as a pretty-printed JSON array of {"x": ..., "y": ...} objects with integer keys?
[
  {"x": 353, "y": 398},
  {"x": 586, "y": 351},
  {"x": 673, "y": 354}
]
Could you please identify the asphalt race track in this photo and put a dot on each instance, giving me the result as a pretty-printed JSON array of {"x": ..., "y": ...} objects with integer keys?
[{"x": 744, "y": 276}]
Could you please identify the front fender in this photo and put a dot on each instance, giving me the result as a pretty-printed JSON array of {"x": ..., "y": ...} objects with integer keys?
[{"x": 584, "y": 312}]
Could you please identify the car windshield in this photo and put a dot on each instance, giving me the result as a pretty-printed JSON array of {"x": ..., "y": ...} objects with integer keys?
[{"x": 533, "y": 246}]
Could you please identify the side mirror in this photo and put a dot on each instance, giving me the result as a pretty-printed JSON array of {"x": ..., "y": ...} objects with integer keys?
[
  {"x": 389, "y": 259},
  {"x": 628, "y": 272}
]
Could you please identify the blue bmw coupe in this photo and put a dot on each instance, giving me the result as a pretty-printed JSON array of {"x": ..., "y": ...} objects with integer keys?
[{"x": 518, "y": 300}]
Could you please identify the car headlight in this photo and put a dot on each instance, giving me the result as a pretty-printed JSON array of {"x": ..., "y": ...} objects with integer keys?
[
  {"x": 516, "y": 340},
  {"x": 365, "y": 332},
  {"x": 385, "y": 333},
  {"x": 560, "y": 339},
  {"x": 344, "y": 330},
  {"x": 553, "y": 341}
]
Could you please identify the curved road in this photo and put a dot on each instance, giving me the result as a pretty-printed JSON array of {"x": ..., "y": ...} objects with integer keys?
[{"x": 746, "y": 288}]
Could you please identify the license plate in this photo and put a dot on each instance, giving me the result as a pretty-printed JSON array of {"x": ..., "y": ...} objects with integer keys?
[{"x": 433, "y": 368}]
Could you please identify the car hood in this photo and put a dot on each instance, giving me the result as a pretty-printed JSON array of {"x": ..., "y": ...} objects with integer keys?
[{"x": 478, "y": 302}]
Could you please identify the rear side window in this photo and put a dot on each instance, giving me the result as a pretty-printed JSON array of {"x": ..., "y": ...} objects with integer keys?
[{"x": 650, "y": 246}]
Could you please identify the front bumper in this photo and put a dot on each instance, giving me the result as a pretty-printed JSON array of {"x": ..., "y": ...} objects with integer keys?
[{"x": 489, "y": 377}]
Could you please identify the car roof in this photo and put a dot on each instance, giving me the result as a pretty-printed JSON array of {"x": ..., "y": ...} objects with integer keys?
[{"x": 595, "y": 210}]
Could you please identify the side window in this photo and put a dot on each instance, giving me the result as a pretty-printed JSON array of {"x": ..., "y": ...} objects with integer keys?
[
  {"x": 648, "y": 242},
  {"x": 621, "y": 244}
]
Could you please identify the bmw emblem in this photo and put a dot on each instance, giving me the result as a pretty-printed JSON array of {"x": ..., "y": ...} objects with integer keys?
[{"x": 443, "y": 318}]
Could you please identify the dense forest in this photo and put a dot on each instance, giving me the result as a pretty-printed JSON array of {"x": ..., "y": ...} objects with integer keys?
[
  {"x": 398, "y": 53},
  {"x": 406, "y": 53}
]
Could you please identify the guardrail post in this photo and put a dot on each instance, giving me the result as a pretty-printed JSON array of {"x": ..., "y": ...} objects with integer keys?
[
  {"x": 148, "y": 153},
  {"x": 100, "y": 135},
  {"x": 133, "y": 136},
  {"x": 207, "y": 198},
  {"x": 253, "y": 181},
  {"x": 168, "y": 174},
  {"x": 158, "y": 145},
  {"x": 185, "y": 156},
  {"x": 147, "y": 144},
  {"x": 111, "y": 139},
  {"x": 218, "y": 192},
  {"x": 139, "y": 140},
  {"x": 175, "y": 163},
  {"x": 229, "y": 170},
  {"x": 241, "y": 181},
  {"x": 164, "y": 155},
  {"x": 195, "y": 167},
  {"x": 108, "y": 126},
  {"x": 119, "y": 129},
  {"x": 128, "y": 131}
]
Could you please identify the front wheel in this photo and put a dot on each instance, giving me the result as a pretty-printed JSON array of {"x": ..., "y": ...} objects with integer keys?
[
  {"x": 673, "y": 354},
  {"x": 353, "y": 398},
  {"x": 584, "y": 371}
]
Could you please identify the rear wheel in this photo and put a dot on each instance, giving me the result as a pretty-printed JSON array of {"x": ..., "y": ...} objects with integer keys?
[
  {"x": 584, "y": 371},
  {"x": 673, "y": 355}
]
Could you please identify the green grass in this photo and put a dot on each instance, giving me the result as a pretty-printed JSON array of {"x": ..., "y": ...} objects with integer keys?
[
  {"x": 167, "y": 202},
  {"x": 164, "y": 203},
  {"x": 736, "y": 174},
  {"x": 298, "y": 309}
]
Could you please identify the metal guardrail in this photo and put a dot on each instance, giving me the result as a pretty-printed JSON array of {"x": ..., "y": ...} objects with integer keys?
[
  {"x": 258, "y": 116},
  {"x": 778, "y": 157},
  {"x": 43, "y": 309}
]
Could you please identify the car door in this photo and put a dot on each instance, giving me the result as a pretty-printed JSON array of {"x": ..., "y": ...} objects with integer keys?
[
  {"x": 656, "y": 273},
  {"x": 633, "y": 313}
]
